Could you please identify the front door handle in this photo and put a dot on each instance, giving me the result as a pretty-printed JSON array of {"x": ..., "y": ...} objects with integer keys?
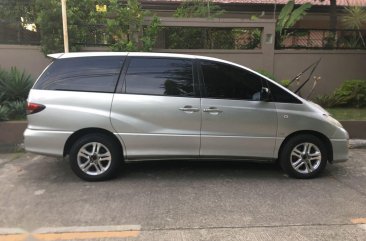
[
  {"x": 189, "y": 109},
  {"x": 212, "y": 110}
]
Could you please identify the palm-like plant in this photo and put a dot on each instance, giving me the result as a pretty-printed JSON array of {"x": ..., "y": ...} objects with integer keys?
[
  {"x": 15, "y": 85},
  {"x": 4, "y": 113},
  {"x": 355, "y": 18}
]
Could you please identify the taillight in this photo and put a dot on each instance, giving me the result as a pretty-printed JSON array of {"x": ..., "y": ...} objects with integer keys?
[{"x": 34, "y": 108}]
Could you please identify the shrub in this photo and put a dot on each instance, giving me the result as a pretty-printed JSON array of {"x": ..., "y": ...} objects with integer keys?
[
  {"x": 14, "y": 89},
  {"x": 330, "y": 100},
  {"x": 15, "y": 85},
  {"x": 285, "y": 83},
  {"x": 16, "y": 110},
  {"x": 353, "y": 92},
  {"x": 4, "y": 113}
]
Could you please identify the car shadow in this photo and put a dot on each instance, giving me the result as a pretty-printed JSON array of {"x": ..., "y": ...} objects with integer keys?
[
  {"x": 58, "y": 170},
  {"x": 199, "y": 169}
]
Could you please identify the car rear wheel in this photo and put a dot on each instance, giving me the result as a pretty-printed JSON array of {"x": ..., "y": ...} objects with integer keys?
[
  {"x": 95, "y": 157},
  {"x": 303, "y": 156}
]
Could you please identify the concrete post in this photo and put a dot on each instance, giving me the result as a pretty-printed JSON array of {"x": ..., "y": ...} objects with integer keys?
[{"x": 64, "y": 26}]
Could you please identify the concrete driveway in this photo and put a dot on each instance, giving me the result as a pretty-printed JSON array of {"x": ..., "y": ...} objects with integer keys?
[{"x": 41, "y": 199}]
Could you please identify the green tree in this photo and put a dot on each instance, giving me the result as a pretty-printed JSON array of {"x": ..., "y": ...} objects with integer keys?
[
  {"x": 83, "y": 22},
  {"x": 198, "y": 9},
  {"x": 128, "y": 28}
]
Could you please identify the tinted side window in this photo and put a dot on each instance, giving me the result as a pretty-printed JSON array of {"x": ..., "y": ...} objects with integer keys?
[
  {"x": 280, "y": 95},
  {"x": 97, "y": 74},
  {"x": 160, "y": 76},
  {"x": 224, "y": 81}
]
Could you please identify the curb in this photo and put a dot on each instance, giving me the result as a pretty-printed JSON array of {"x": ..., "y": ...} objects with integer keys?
[{"x": 357, "y": 144}]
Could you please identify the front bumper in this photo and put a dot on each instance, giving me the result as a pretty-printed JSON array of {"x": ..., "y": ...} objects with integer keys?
[{"x": 340, "y": 150}]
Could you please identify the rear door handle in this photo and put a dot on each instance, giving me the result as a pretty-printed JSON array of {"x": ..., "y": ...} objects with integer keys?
[
  {"x": 212, "y": 110},
  {"x": 189, "y": 109}
]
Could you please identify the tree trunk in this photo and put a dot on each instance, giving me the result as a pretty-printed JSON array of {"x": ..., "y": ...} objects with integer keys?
[{"x": 333, "y": 15}]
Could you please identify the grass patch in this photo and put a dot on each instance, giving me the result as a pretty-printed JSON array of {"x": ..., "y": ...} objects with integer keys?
[{"x": 348, "y": 113}]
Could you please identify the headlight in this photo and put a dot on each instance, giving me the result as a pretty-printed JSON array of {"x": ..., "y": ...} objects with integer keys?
[{"x": 333, "y": 121}]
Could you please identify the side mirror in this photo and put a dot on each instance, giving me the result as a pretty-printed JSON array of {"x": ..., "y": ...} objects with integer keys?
[{"x": 265, "y": 94}]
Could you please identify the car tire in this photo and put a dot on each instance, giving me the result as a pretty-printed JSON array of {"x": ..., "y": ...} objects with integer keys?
[
  {"x": 95, "y": 157},
  {"x": 304, "y": 156}
]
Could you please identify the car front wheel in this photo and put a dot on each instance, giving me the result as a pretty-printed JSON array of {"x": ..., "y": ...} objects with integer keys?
[{"x": 303, "y": 156}]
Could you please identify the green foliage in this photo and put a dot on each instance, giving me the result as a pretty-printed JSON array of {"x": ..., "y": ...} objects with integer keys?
[
  {"x": 82, "y": 20},
  {"x": 352, "y": 93},
  {"x": 176, "y": 38},
  {"x": 4, "y": 113},
  {"x": 212, "y": 38},
  {"x": 16, "y": 109},
  {"x": 267, "y": 74},
  {"x": 330, "y": 100},
  {"x": 289, "y": 16},
  {"x": 285, "y": 83},
  {"x": 150, "y": 34},
  {"x": 254, "y": 39},
  {"x": 355, "y": 18},
  {"x": 198, "y": 9},
  {"x": 14, "y": 89},
  {"x": 15, "y": 10},
  {"x": 358, "y": 114},
  {"x": 15, "y": 85},
  {"x": 198, "y": 38},
  {"x": 128, "y": 28}
]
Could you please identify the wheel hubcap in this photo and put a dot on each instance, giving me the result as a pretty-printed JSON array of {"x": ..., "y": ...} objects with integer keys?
[
  {"x": 94, "y": 158},
  {"x": 305, "y": 158}
]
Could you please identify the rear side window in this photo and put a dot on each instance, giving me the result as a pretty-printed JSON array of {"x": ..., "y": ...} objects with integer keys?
[
  {"x": 95, "y": 74},
  {"x": 160, "y": 76},
  {"x": 223, "y": 81}
]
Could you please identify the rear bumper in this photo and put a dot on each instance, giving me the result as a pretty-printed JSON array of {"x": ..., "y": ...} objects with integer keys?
[
  {"x": 340, "y": 150},
  {"x": 45, "y": 142}
]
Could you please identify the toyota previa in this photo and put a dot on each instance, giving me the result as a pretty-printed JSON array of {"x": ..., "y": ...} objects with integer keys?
[{"x": 103, "y": 109}]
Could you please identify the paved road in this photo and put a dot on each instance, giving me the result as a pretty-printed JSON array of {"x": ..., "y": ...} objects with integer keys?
[{"x": 181, "y": 201}]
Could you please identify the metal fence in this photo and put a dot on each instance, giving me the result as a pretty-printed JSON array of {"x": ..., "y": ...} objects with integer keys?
[
  {"x": 209, "y": 38},
  {"x": 16, "y": 33},
  {"x": 321, "y": 39}
]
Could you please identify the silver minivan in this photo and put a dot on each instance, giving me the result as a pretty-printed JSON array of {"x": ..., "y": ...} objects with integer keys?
[{"x": 103, "y": 109}]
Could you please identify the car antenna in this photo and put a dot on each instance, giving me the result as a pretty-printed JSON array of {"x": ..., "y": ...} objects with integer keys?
[
  {"x": 297, "y": 77},
  {"x": 314, "y": 65}
]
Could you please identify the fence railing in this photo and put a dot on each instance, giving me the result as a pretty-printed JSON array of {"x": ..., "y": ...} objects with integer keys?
[
  {"x": 228, "y": 38},
  {"x": 15, "y": 33},
  {"x": 321, "y": 39}
]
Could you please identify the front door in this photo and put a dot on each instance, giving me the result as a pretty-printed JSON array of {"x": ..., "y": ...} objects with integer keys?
[{"x": 235, "y": 122}]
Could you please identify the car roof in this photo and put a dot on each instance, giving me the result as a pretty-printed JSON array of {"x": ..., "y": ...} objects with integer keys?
[
  {"x": 139, "y": 54},
  {"x": 136, "y": 54}
]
